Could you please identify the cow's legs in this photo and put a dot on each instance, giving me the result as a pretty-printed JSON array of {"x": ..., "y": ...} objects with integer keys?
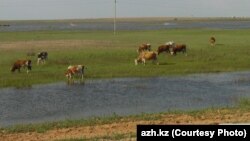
[
  {"x": 144, "y": 61},
  {"x": 38, "y": 61},
  {"x": 136, "y": 62}
]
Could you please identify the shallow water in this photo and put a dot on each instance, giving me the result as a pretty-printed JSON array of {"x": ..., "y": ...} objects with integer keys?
[
  {"x": 121, "y": 96},
  {"x": 108, "y": 26}
]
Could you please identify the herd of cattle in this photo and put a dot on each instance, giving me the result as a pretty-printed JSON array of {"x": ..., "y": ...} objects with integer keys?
[
  {"x": 41, "y": 58},
  {"x": 144, "y": 51}
]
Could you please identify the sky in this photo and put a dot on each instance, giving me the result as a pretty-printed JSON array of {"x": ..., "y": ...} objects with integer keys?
[{"x": 85, "y": 9}]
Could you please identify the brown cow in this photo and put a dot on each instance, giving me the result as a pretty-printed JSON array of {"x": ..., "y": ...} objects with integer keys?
[
  {"x": 178, "y": 48},
  {"x": 164, "y": 48},
  {"x": 21, "y": 64},
  {"x": 144, "y": 47},
  {"x": 212, "y": 41},
  {"x": 76, "y": 70},
  {"x": 146, "y": 55}
]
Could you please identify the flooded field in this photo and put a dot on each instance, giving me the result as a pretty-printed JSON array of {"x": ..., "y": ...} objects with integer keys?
[
  {"x": 121, "y": 96},
  {"x": 148, "y": 25}
]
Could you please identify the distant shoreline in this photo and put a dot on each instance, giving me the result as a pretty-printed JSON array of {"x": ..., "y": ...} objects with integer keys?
[{"x": 136, "y": 19}]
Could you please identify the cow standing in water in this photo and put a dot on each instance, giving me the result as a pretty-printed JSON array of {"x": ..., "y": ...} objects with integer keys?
[
  {"x": 21, "y": 64},
  {"x": 76, "y": 70},
  {"x": 42, "y": 57},
  {"x": 212, "y": 41}
]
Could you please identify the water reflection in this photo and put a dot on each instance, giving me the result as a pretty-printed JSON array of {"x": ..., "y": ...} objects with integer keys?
[{"x": 122, "y": 96}]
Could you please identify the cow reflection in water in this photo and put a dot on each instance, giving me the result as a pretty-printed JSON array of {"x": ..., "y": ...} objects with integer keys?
[{"x": 75, "y": 71}]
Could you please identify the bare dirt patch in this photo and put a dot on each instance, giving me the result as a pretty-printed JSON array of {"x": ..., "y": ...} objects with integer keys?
[
  {"x": 129, "y": 126},
  {"x": 50, "y": 44}
]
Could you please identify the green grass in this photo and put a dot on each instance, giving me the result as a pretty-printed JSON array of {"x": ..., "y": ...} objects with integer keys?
[
  {"x": 108, "y": 56},
  {"x": 43, "y": 127},
  {"x": 116, "y": 137}
]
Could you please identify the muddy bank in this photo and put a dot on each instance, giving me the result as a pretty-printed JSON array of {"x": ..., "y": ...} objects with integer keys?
[{"x": 121, "y": 96}]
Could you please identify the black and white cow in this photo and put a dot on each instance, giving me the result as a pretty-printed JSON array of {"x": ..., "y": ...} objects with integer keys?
[{"x": 42, "y": 57}]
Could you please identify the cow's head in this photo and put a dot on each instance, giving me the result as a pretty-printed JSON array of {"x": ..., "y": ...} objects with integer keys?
[
  {"x": 14, "y": 67},
  {"x": 148, "y": 47},
  {"x": 171, "y": 50},
  {"x": 68, "y": 74},
  {"x": 138, "y": 60},
  {"x": 28, "y": 64}
]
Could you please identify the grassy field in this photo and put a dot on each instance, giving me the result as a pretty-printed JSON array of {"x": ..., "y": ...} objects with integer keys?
[{"x": 108, "y": 56}]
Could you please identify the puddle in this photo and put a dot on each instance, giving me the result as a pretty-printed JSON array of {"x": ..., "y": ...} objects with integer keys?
[{"x": 121, "y": 96}]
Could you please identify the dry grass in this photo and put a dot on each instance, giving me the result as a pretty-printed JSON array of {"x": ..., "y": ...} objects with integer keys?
[{"x": 50, "y": 44}]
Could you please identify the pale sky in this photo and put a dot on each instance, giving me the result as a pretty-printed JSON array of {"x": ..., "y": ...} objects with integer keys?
[{"x": 82, "y": 9}]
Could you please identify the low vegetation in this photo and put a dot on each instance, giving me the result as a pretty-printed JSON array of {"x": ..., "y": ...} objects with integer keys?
[{"x": 108, "y": 56}]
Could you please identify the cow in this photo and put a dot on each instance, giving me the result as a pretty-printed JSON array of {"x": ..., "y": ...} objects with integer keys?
[
  {"x": 146, "y": 55},
  {"x": 42, "y": 57},
  {"x": 21, "y": 64},
  {"x": 144, "y": 47},
  {"x": 212, "y": 41},
  {"x": 164, "y": 48},
  {"x": 75, "y": 70},
  {"x": 178, "y": 48},
  {"x": 170, "y": 43}
]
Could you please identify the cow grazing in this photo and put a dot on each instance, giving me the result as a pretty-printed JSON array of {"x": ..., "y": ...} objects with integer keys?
[
  {"x": 21, "y": 64},
  {"x": 212, "y": 41},
  {"x": 76, "y": 70},
  {"x": 42, "y": 57},
  {"x": 144, "y": 47},
  {"x": 144, "y": 56},
  {"x": 178, "y": 48}
]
